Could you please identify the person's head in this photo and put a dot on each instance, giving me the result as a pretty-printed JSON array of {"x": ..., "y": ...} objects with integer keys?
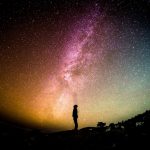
[{"x": 75, "y": 106}]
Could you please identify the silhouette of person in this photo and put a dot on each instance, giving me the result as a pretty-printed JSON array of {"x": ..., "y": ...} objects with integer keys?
[{"x": 75, "y": 116}]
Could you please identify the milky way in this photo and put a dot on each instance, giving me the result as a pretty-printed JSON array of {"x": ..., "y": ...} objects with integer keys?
[
  {"x": 77, "y": 58},
  {"x": 55, "y": 54}
]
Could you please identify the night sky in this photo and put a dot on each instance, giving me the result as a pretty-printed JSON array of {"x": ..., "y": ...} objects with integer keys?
[{"x": 57, "y": 53}]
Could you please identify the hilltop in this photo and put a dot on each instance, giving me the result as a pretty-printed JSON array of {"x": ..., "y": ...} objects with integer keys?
[{"x": 132, "y": 133}]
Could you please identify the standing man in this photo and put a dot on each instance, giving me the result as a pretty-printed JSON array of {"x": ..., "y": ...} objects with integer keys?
[{"x": 75, "y": 116}]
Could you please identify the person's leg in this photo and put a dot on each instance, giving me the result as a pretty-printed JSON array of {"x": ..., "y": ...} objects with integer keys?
[{"x": 76, "y": 124}]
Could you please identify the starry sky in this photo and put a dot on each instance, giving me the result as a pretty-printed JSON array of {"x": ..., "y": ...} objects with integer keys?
[{"x": 57, "y": 53}]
